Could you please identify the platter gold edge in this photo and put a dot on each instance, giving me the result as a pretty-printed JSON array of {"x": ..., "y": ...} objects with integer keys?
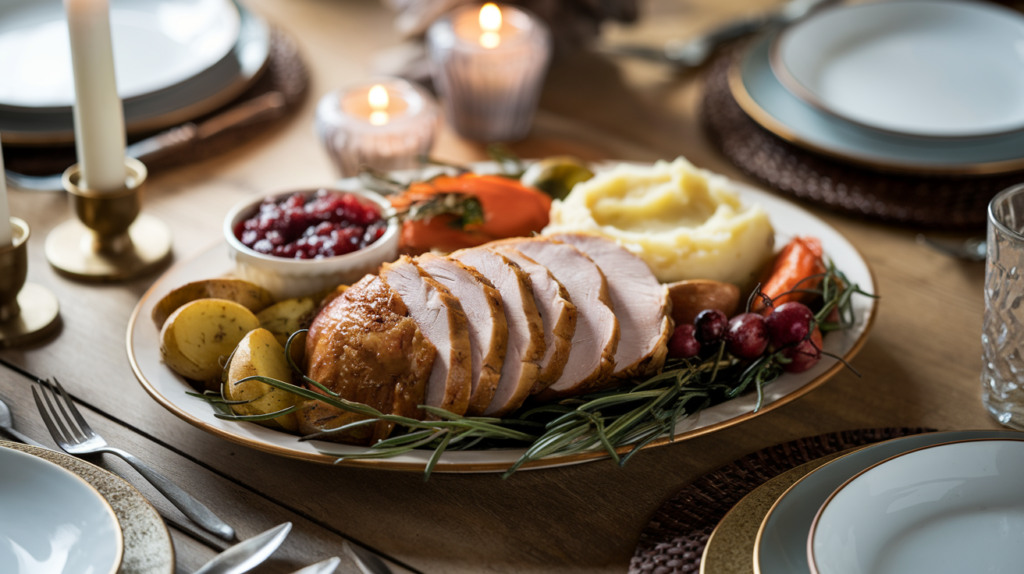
[
  {"x": 446, "y": 467},
  {"x": 767, "y": 121}
]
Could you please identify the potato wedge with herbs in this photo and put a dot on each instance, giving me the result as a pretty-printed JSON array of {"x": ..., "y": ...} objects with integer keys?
[
  {"x": 199, "y": 336},
  {"x": 259, "y": 354},
  {"x": 285, "y": 317},
  {"x": 246, "y": 294}
]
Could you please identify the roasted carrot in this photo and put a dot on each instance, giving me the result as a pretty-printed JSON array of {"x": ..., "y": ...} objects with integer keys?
[
  {"x": 797, "y": 267},
  {"x": 509, "y": 208}
]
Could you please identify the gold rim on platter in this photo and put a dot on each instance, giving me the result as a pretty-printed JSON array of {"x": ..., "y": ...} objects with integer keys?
[
  {"x": 764, "y": 119},
  {"x": 443, "y": 465}
]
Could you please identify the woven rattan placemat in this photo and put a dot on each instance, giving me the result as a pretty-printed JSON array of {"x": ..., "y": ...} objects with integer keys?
[
  {"x": 935, "y": 202},
  {"x": 286, "y": 74},
  {"x": 674, "y": 539}
]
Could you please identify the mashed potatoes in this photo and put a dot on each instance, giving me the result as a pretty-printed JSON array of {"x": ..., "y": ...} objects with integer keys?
[{"x": 683, "y": 221}]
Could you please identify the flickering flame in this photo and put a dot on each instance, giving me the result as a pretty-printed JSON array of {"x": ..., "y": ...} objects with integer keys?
[
  {"x": 490, "y": 23},
  {"x": 378, "y": 99},
  {"x": 490, "y": 18}
]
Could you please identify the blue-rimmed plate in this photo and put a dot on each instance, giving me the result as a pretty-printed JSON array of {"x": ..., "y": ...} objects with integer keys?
[
  {"x": 758, "y": 91},
  {"x": 781, "y": 545}
]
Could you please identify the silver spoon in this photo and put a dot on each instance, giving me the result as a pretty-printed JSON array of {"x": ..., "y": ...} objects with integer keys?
[{"x": 973, "y": 249}]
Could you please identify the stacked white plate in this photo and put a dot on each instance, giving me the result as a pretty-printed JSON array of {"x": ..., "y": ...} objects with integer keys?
[
  {"x": 927, "y": 86},
  {"x": 932, "y": 503},
  {"x": 174, "y": 60}
]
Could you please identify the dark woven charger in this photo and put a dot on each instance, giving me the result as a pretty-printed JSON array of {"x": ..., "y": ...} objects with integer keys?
[
  {"x": 947, "y": 203},
  {"x": 674, "y": 539},
  {"x": 286, "y": 73}
]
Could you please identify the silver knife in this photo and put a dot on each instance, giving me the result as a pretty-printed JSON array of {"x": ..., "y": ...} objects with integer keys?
[
  {"x": 326, "y": 567},
  {"x": 684, "y": 54},
  {"x": 267, "y": 106},
  {"x": 247, "y": 554},
  {"x": 368, "y": 562}
]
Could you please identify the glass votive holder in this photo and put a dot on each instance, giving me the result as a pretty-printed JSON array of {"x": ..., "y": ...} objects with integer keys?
[
  {"x": 1002, "y": 336},
  {"x": 489, "y": 63},
  {"x": 382, "y": 123}
]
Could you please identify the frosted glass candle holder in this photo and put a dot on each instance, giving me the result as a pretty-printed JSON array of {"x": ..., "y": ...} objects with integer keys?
[
  {"x": 489, "y": 64},
  {"x": 382, "y": 123}
]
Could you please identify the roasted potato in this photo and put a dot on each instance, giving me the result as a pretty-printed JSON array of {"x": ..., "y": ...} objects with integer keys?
[
  {"x": 259, "y": 354},
  {"x": 246, "y": 294},
  {"x": 197, "y": 337},
  {"x": 316, "y": 416},
  {"x": 285, "y": 317},
  {"x": 691, "y": 297}
]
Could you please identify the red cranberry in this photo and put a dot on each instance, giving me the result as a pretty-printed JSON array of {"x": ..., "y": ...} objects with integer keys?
[
  {"x": 804, "y": 354},
  {"x": 683, "y": 345},
  {"x": 789, "y": 323},
  {"x": 747, "y": 337},
  {"x": 710, "y": 326}
]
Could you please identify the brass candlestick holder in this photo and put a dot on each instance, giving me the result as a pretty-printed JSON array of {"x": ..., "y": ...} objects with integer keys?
[
  {"x": 28, "y": 312},
  {"x": 110, "y": 239}
]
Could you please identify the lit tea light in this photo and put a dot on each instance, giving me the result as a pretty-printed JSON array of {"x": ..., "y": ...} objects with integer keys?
[
  {"x": 378, "y": 99},
  {"x": 384, "y": 124},
  {"x": 490, "y": 23},
  {"x": 488, "y": 64}
]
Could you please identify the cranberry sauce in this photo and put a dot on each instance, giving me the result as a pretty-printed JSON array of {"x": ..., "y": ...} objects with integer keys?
[{"x": 305, "y": 226}]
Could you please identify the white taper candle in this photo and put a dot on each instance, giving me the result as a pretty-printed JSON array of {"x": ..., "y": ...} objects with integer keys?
[
  {"x": 6, "y": 233},
  {"x": 99, "y": 114}
]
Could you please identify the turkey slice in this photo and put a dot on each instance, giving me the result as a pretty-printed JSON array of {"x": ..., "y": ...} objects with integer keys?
[
  {"x": 440, "y": 317},
  {"x": 557, "y": 313},
  {"x": 641, "y": 304},
  {"x": 525, "y": 327},
  {"x": 488, "y": 329}
]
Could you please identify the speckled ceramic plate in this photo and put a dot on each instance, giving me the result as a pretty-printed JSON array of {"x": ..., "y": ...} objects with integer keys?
[{"x": 147, "y": 543}]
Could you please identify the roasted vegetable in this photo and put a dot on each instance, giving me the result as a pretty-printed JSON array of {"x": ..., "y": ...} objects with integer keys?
[
  {"x": 449, "y": 213},
  {"x": 556, "y": 176},
  {"x": 259, "y": 354},
  {"x": 798, "y": 268},
  {"x": 199, "y": 336},
  {"x": 691, "y": 297},
  {"x": 249, "y": 295}
]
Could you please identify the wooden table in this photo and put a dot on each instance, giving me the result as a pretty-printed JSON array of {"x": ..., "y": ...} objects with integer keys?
[{"x": 920, "y": 365}]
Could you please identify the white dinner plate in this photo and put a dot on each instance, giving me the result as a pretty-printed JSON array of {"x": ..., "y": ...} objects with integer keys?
[
  {"x": 781, "y": 545},
  {"x": 925, "y": 68},
  {"x": 204, "y": 92},
  {"x": 169, "y": 389},
  {"x": 52, "y": 521},
  {"x": 157, "y": 44},
  {"x": 942, "y": 509},
  {"x": 758, "y": 91}
]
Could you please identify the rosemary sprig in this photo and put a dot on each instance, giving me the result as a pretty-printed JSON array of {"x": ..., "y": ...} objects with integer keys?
[{"x": 619, "y": 421}]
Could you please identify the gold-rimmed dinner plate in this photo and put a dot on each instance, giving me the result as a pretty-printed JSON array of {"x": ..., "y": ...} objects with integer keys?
[
  {"x": 940, "y": 509},
  {"x": 51, "y": 520},
  {"x": 202, "y": 93},
  {"x": 147, "y": 543},
  {"x": 760, "y": 94},
  {"x": 788, "y": 219},
  {"x": 780, "y": 545}
]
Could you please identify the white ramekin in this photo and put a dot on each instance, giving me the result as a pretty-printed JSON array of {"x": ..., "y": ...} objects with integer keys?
[{"x": 286, "y": 278}]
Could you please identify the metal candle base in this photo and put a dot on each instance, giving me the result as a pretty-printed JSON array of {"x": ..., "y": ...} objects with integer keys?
[
  {"x": 28, "y": 312},
  {"x": 109, "y": 240}
]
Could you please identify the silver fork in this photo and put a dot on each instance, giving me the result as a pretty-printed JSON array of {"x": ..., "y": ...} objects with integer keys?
[{"x": 80, "y": 440}]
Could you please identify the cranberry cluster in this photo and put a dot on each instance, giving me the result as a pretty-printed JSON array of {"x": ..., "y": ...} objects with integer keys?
[
  {"x": 315, "y": 226},
  {"x": 747, "y": 336}
]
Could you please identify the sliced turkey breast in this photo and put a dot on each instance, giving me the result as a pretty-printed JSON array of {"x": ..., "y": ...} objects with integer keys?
[
  {"x": 592, "y": 356},
  {"x": 641, "y": 304},
  {"x": 488, "y": 329},
  {"x": 440, "y": 317},
  {"x": 364, "y": 346},
  {"x": 525, "y": 327},
  {"x": 556, "y": 311}
]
